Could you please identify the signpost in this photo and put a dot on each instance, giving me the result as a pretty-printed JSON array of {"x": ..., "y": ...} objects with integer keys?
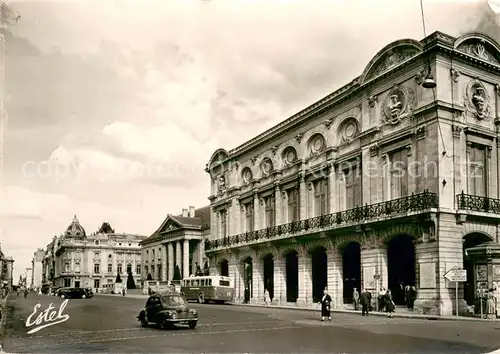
[{"x": 457, "y": 276}]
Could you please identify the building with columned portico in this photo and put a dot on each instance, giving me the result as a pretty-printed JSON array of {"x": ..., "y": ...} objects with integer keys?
[
  {"x": 383, "y": 183},
  {"x": 178, "y": 242}
]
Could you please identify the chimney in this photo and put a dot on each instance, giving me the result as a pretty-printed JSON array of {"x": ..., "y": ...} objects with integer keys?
[
  {"x": 185, "y": 213},
  {"x": 191, "y": 211}
]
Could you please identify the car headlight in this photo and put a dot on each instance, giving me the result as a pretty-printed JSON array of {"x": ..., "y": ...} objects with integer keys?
[
  {"x": 170, "y": 314},
  {"x": 192, "y": 311}
]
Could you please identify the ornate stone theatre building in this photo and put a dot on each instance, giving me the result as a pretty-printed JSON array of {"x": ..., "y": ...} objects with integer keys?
[{"x": 382, "y": 183}]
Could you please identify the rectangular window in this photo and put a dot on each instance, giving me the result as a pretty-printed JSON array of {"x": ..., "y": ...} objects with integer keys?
[
  {"x": 110, "y": 268},
  {"x": 249, "y": 217},
  {"x": 67, "y": 267},
  {"x": 96, "y": 283},
  {"x": 97, "y": 268},
  {"x": 138, "y": 269},
  {"x": 129, "y": 268},
  {"x": 224, "y": 283},
  {"x": 270, "y": 211},
  {"x": 399, "y": 174},
  {"x": 67, "y": 283},
  {"x": 223, "y": 223},
  {"x": 320, "y": 197},
  {"x": 119, "y": 268},
  {"x": 477, "y": 172},
  {"x": 353, "y": 188},
  {"x": 293, "y": 204},
  {"x": 77, "y": 267}
]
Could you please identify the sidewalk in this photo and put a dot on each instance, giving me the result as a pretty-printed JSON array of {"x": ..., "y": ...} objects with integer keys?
[{"x": 400, "y": 313}]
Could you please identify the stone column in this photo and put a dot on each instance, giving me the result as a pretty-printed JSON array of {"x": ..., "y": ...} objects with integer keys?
[
  {"x": 284, "y": 207},
  {"x": 302, "y": 197},
  {"x": 382, "y": 269},
  {"x": 257, "y": 282},
  {"x": 279, "y": 272},
  {"x": 235, "y": 273},
  {"x": 335, "y": 278},
  {"x": 178, "y": 255},
  {"x": 277, "y": 204},
  {"x": 170, "y": 260},
  {"x": 305, "y": 283},
  {"x": 256, "y": 212},
  {"x": 164, "y": 263},
  {"x": 185, "y": 259}
]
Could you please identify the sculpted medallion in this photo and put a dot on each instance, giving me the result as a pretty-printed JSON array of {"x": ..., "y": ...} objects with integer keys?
[
  {"x": 476, "y": 100},
  {"x": 267, "y": 166},
  {"x": 349, "y": 132},
  {"x": 397, "y": 105},
  {"x": 247, "y": 175}
]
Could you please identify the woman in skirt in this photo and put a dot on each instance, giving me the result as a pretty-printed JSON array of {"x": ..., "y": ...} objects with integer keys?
[
  {"x": 389, "y": 304},
  {"x": 326, "y": 300}
]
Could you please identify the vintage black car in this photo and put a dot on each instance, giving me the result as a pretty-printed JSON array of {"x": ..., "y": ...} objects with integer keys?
[
  {"x": 73, "y": 293},
  {"x": 167, "y": 310}
]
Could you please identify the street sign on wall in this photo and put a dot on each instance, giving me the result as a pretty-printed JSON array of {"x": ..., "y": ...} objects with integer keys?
[{"x": 456, "y": 275}]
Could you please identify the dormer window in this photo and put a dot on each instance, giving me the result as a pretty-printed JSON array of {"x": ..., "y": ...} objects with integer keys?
[
  {"x": 97, "y": 242},
  {"x": 110, "y": 256},
  {"x": 130, "y": 244},
  {"x": 120, "y": 244}
]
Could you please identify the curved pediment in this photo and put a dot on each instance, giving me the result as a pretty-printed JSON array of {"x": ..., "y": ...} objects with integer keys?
[
  {"x": 479, "y": 46},
  {"x": 391, "y": 56},
  {"x": 217, "y": 157}
]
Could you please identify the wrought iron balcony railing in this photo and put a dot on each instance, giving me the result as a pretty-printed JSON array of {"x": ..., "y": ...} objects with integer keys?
[
  {"x": 478, "y": 203},
  {"x": 413, "y": 203}
]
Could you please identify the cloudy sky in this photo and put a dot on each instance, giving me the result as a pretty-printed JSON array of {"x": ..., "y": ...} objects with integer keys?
[{"x": 116, "y": 106}]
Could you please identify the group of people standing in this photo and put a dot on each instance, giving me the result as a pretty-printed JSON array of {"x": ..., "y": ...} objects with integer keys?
[{"x": 384, "y": 302}]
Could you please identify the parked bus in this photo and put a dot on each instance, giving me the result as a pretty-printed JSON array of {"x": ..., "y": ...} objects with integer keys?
[
  {"x": 214, "y": 288},
  {"x": 158, "y": 286}
]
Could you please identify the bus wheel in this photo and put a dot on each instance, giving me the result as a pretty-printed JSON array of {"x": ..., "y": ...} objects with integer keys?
[{"x": 201, "y": 300}]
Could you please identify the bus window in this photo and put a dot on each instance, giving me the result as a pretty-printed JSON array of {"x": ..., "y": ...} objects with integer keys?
[
  {"x": 202, "y": 282},
  {"x": 195, "y": 282},
  {"x": 209, "y": 282},
  {"x": 189, "y": 283},
  {"x": 224, "y": 283}
]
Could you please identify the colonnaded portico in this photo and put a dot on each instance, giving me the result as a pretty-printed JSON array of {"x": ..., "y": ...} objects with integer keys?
[{"x": 299, "y": 270}]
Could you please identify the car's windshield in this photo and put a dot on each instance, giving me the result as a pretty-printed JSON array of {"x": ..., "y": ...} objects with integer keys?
[{"x": 174, "y": 300}]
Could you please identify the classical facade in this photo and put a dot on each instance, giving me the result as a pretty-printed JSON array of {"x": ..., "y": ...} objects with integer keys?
[
  {"x": 382, "y": 183},
  {"x": 178, "y": 242},
  {"x": 76, "y": 259}
]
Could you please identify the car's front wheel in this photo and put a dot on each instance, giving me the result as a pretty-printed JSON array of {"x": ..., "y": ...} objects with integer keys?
[{"x": 192, "y": 324}]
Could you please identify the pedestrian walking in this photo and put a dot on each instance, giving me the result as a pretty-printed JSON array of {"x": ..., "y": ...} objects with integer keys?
[
  {"x": 412, "y": 295},
  {"x": 364, "y": 300},
  {"x": 355, "y": 299},
  {"x": 389, "y": 304},
  {"x": 266, "y": 297},
  {"x": 25, "y": 293},
  {"x": 381, "y": 298},
  {"x": 491, "y": 306},
  {"x": 326, "y": 301}
]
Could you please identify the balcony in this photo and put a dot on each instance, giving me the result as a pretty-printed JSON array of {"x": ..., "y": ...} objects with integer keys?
[
  {"x": 415, "y": 203},
  {"x": 477, "y": 203}
]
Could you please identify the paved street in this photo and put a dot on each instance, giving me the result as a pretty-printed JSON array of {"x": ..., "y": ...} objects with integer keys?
[{"x": 108, "y": 324}]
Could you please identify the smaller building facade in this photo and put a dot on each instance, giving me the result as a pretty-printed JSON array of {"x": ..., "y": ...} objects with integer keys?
[
  {"x": 76, "y": 259},
  {"x": 6, "y": 270},
  {"x": 37, "y": 268},
  {"x": 178, "y": 242}
]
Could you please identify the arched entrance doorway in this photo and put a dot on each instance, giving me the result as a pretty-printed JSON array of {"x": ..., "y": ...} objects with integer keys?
[
  {"x": 400, "y": 266},
  {"x": 292, "y": 276},
  {"x": 269, "y": 274},
  {"x": 224, "y": 268},
  {"x": 247, "y": 278},
  {"x": 319, "y": 272},
  {"x": 468, "y": 241},
  {"x": 351, "y": 270}
]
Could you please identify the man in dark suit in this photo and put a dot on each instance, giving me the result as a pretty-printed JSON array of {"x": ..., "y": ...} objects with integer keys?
[{"x": 364, "y": 300}]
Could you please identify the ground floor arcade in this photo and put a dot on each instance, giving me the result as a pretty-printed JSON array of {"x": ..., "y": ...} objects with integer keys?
[{"x": 390, "y": 256}]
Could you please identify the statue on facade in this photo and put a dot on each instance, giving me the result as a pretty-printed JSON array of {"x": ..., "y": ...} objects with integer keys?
[
  {"x": 476, "y": 100},
  {"x": 222, "y": 184},
  {"x": 397, "y": 105}
]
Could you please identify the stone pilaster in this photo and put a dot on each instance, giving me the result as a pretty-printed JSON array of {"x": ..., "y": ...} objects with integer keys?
[
  {"x": 256, "y": 212},
  {"x": 335, "y": 282},
  {"x": 369, "y": 260},
  {"x": 170, "y": 260},
  {"x": 302, "y": 197},
  {"x": 164, "y": 269},
  {"x": 277, "y": 204},
  {"x": 332, "y": 190},
  {"x": 279, "y": 272},
  {"x": 305, "y": 281},
  {"x": 185, "y": 259},
  {"x": 236, "y": 212},
  {"x": 235, "y": 273}
]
